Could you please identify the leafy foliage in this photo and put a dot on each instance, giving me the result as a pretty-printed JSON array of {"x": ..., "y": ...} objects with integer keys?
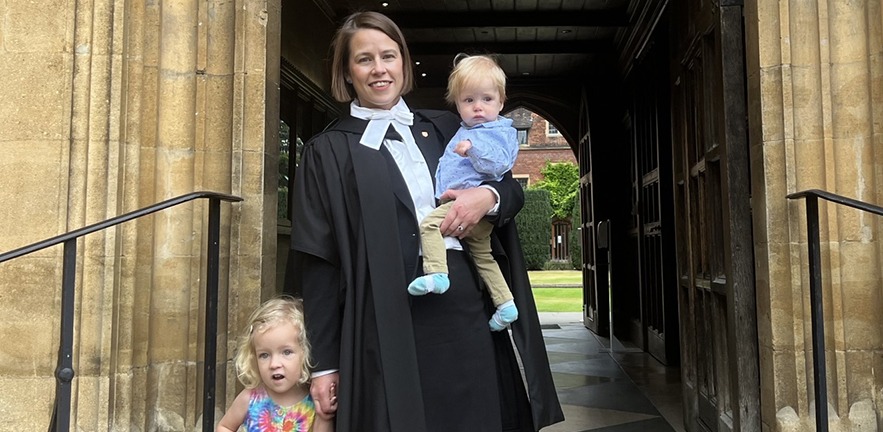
[
  {"x": 534, "y": 227},
  {"x": 561, "y": 179},
  {"x": 576, "y": 256}
]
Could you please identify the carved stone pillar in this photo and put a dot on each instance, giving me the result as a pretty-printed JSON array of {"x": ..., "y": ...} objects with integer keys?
[
  {"x": 110, "y": 106},
  {"x": 815, "y": 81}
]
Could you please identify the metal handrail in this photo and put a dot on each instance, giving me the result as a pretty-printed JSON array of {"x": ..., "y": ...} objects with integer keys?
[
  {"x": 64, "y": 371},
  {"x": 815, "y": 290}
]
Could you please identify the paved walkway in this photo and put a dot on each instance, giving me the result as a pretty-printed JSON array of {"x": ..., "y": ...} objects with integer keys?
[{"x": 624, "y": 391}]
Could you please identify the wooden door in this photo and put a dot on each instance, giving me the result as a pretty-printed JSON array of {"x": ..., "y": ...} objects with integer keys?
[
  {"x": 558, "y": 244},
  {"x": 702, "y": 276},
  {"x": 655, "y": 316},
  {"x": 595, "y": 311},
  {"x": 715, "y": 265}
]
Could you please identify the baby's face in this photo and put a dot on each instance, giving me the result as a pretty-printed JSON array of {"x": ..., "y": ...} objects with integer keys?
[{"x": 479, "y": 103}]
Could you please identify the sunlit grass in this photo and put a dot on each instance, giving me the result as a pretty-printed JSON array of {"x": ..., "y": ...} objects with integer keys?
[
  {"x": 558, "y": 299},
  {"x": 555, "y": 277}
]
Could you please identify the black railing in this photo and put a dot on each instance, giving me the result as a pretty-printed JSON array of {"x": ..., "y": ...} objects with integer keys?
[
  {"x": 815, "y": 290},
  {"x": 64, "y": 372}
]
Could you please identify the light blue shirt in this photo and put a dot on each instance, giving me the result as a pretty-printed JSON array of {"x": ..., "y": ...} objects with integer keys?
[{"x": 493, "y": 152}]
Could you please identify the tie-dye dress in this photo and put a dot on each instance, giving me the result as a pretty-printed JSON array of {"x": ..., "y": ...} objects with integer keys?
[{"x": 265, "y": 416}]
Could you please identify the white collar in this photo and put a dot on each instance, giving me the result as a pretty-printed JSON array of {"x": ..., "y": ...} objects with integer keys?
[{"x": 379, "y": 120}]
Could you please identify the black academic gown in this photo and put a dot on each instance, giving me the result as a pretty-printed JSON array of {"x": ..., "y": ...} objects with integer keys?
[{"x": 354, "y": 250}]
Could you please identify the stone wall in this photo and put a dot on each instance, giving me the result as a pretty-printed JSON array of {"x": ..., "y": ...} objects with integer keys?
[
  {"x": 35, "y": 149},
  {"x": 815, "y": 89},
  {"x": 109, "y": 106}
]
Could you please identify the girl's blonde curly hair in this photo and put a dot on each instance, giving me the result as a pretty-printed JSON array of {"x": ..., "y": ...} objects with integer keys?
[{"x": 269, "y": 314}]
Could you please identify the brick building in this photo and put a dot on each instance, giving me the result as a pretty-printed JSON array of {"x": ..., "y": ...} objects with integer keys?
[{"x": 540, "y": 143}]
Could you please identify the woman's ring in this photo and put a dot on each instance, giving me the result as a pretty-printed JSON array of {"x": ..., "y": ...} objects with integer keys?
[{"x": 459, "y": 227}]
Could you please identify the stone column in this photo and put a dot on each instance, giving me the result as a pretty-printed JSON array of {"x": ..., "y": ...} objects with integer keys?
[
  {"x": 215, "y": 128},
  {"x": 35, "y": 67},
  {"x": 60, "y": 147},
  {"x": 814, "y": 81},
  {"x": 255, "y": 159},
  {"x": 172, "y": 338},
  {"x": 110, "y": 106}
]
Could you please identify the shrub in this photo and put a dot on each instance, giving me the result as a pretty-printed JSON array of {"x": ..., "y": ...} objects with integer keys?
[
  {"x": 558, "y": 265},
  {"x": 535, "y": 227}
]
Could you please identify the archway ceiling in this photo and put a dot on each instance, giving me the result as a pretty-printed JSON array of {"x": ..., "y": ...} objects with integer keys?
[{"x": 546, "y": 47}]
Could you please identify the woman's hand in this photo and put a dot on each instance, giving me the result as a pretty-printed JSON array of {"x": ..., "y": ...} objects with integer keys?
[
  {"x": 324, "y": 391},
  {"x": 470, "y": 205}
]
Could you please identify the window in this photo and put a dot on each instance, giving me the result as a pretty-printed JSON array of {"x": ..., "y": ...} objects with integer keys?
[
  {"x": 523, "y": 180},
  {"x": 551, "y": 130},
  {"x": 522, "y": 137},
  {"x": 284, "y": 171},
  {"x": 304, "y": 110}
]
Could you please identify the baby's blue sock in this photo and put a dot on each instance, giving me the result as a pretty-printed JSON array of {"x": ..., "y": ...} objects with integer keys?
[
  {"x": 432, "y": 283},
  {"x": 506, "y": 313}
]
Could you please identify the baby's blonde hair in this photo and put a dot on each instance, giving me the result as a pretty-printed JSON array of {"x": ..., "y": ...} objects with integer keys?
[
  {"x": 469, "y": 70},
  {"x": 267, "y": 315}
]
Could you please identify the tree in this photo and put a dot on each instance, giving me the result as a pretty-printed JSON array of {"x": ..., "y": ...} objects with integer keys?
[{"x": 561, "y": 179}]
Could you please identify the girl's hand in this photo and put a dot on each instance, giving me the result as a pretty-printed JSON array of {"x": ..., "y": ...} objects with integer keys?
[
  {"x": 469, "y": 207},
  {"x": 324, "y": 391}
]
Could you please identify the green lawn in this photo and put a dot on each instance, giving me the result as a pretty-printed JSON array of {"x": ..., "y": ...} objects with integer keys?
[
  {"x": 557, "y": 299},
  {"x": 555, "y": 277}
]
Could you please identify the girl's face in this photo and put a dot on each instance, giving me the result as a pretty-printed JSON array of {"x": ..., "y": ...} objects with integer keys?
[
  {"x": 375, "y": 69},
  {"x": 280, "y": 360},
  {"x": 479, "y": 102}
]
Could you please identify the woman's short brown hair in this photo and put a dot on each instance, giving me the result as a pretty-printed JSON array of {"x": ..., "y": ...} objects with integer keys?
[{"x": 340, "y": 51}]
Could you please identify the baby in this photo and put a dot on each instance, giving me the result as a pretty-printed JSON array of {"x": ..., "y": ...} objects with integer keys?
[{"x": 482, "y": 150}]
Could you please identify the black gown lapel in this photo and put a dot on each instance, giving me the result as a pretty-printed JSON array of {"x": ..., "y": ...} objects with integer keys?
[
  {"x": 386, "y": 275},
  {"x": 397, "y": 181},
  {"x": 430, "y": 144}
]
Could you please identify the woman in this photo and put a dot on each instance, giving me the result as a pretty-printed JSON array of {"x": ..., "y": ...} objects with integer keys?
[{"x": 388, "y": 361}]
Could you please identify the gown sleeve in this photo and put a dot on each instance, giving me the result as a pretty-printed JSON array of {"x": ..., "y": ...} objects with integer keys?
[
  {"x": 511, "y": 199},
  {"x": 314, "y": 262}
]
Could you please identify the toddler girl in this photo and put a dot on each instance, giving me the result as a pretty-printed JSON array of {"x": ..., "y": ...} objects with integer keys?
[{"x": 273, "y": 364}]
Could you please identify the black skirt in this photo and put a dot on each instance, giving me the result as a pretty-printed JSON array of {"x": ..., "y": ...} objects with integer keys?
[{"x": 459, "y": 361}]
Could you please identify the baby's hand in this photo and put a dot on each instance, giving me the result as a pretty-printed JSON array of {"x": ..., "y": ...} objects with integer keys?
[{"x": 462, "y": 147}]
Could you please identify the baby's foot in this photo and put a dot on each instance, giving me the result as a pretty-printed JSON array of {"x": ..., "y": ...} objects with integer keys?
[
  {"x": 506, "y": 313},
  {"x": 432, "y": 283}
]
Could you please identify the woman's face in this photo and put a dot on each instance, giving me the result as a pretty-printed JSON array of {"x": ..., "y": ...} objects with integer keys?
[{"x": 375, "y": 69}]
